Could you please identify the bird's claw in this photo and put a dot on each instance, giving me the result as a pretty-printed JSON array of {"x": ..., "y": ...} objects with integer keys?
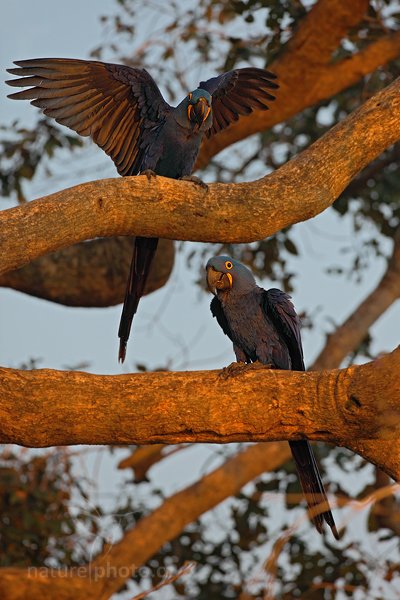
[
  {"x": 259, "y": 365},
  {"x": 195, "y": 180},
  {"x": 237, "y": 368},
  {"x": 149, "y": 174},
  {"x": 232, "y": 370}
]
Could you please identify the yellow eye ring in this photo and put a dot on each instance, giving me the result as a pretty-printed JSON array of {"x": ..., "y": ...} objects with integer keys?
[{"x": 228, "y": 264}]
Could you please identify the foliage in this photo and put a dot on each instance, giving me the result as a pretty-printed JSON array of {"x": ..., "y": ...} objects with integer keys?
[
  {"x": 39, "y": 525},
  {"x": 23, "y": 150},
  {"x": 235, "y": 554}
]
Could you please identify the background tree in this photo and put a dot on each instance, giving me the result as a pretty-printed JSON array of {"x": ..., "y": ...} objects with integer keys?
[{"x": 330, "y": 58}]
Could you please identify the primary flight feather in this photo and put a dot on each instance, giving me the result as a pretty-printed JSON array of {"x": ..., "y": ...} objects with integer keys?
[{"x": 123, "y": 111}]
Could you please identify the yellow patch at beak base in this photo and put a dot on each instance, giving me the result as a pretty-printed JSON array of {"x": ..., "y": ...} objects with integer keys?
[{"x": 229, "y": 276}]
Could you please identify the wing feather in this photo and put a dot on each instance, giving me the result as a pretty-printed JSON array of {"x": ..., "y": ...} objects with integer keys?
[
  {"x": 238, "y": 92},
  {"x": 279, "y": 308},
  {"x": 218, "y": 312},
  {"x": 113, "y": 104}
]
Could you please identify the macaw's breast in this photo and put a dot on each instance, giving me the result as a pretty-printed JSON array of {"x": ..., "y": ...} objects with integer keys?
[
  {"x": 175, "y": 150},
  {"x": 253, "y": 331}
]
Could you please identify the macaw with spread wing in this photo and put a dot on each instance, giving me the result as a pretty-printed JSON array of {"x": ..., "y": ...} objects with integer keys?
[
  {"x": 123, "y": 111},
  {"x": 264, "y": 327}
]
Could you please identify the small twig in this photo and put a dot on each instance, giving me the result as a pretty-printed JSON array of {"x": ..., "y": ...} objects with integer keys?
[
  {"x": 270, "y": 564},
  {"x": 325, "y": 585},
  {"x": 167, "y": 580}
]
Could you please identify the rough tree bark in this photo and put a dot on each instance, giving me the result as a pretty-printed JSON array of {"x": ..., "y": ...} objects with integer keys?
[
  {"x": 187, "y": 505},
  {"x": 107, "y": 573},
  {"x": 166, "y": 208},
  {"x": 346, "y": 407},
  {"x": 88, "y": 274}
]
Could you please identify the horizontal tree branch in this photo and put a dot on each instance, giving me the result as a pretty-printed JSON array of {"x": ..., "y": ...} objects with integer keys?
[
  {"x": 172, "y": 209},
  {"x": 102, "y": 285},
  {"x": 88, "y": 274},
  {"x": 106, "y": 574},
  {"x": 345, "y": 407}
]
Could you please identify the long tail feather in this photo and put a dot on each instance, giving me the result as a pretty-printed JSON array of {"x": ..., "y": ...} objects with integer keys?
[
  {"x": 311, "y": 484},
  {"x": 143, "y": 254}
]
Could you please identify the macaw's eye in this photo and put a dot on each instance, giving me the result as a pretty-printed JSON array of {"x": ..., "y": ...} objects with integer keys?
[{"x": 228, "y": 264}]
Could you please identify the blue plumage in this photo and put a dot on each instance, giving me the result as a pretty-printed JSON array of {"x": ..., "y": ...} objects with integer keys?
[
  {"x": 123, "y": 111},
  {"x": 263, "y": 326}
]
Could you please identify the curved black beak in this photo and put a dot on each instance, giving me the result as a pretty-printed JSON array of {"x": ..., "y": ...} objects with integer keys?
[
  {"x": 217, "y": 280},
  {"x": 199, "y": 111}
]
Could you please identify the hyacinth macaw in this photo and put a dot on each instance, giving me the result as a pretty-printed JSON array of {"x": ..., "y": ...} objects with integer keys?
[
  {"x": 123, "y": 111},
  {"x": 264, "y": 327}
]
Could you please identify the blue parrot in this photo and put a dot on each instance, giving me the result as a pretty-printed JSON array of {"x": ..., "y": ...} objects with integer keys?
[
  {"x": 264, "y": 327},
  {"x": 123, "y": 111}
]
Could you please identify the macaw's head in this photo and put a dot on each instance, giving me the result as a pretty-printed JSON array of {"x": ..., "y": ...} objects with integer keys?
[
  {"x": 225, "y": 274},
  {"x": 199, "y": 107}
]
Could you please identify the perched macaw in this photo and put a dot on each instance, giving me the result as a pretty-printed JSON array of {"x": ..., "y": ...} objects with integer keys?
[
  {"x": 264, "y": 327},
  {"x": 123, "y": 111}
]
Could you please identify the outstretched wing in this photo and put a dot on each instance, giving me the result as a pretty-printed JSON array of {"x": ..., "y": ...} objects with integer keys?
[
  {"x": 280, "y": 310},
  {"x": 113, "y": 104},
  {"x": 238, "y": 92}
]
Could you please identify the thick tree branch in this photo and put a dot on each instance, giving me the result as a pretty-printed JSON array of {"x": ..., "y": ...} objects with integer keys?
[
  {"x": 107, "y": 573},
  {"x": 169, "y": 521},
  {"x": 319, "y": 33},
  {"x": 172, "y": 209},
  {"x": 88, "y": 274},
  {"x": 346, "y": 407},
  {"x": 313, "y": 79}
]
